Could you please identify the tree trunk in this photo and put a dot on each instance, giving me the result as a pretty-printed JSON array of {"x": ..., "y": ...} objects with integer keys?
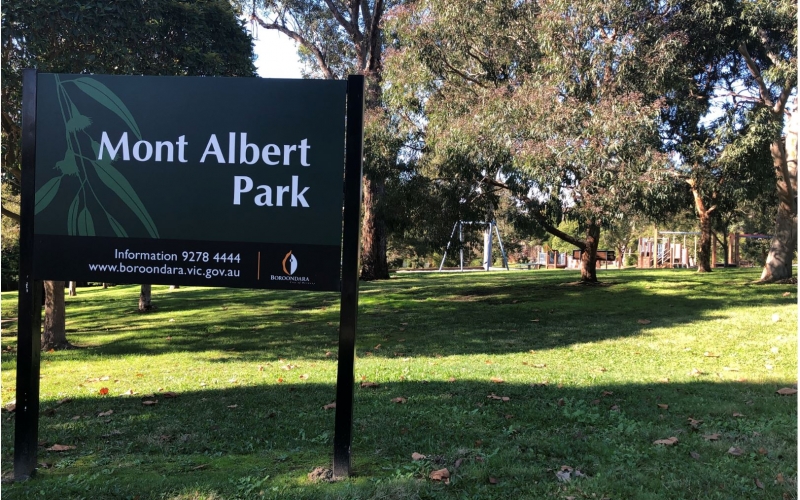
[
  {"x": 706, "y": 237},
  {"x": 784, "y": 241},
  {"x": 73, "y": 288},
  {"x": 589, "y": 255},
  {"x": 374, "y": 265},
  {"x": 145, "y": 299},
  {"x": 54, "y": 333}
]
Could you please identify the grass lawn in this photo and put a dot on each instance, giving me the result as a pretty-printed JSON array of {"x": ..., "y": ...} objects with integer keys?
[{"x": 521, "y": 384}]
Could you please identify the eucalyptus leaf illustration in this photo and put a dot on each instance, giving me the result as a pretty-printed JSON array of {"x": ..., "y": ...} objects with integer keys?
[
  {"x": 112, "y": 178},
  {"x": 107, "y": 98},
  {"x": 116, "y": 226},
  {"x": 85, "y": 223},
  {"x": 46, "y": 193},
  {"x": 72, "y": 216}
]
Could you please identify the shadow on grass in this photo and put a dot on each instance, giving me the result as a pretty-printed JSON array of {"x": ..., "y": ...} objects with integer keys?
[
  {"x": 412, "y": 315},
  {"x": 260, "y": 442}
]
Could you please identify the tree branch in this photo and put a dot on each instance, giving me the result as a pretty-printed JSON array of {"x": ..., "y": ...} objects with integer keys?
[
  {"x": 11, "y": 215},
  {"x": 756, "y": 72},
  {"x": 542, "y": 220},
  {"x": 374, "y": 34},
  {"x": 302, "y": 41},
  {"x": 347, "y": 25}
]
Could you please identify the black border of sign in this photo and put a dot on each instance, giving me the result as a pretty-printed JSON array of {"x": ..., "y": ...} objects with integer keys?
[{"x": 26, "y": 425}]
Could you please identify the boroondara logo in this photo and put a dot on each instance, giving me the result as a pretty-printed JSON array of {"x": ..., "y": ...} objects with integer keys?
[{"x": 291, "y": 260}]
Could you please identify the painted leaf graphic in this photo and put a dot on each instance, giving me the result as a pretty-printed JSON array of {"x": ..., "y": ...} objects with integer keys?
[
  {"x": 116, "y": 226},
  {"x": 72, "y": 216},
  {"x": 85, "y": 223},
  {"x": 107, "y": 98},
  {"x": 112, "y": 178},
  {"x": 46, "y": 193},
  {"x": 68, "y": 166}
]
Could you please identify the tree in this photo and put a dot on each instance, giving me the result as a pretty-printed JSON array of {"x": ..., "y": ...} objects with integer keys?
[
  {"x": 337, "y": 38},
  {"x": 555, "y": 103},
  {"x": 158, "y": 37}
]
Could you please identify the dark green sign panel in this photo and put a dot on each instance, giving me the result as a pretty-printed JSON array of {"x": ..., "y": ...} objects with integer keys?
[{"x": 208, "y": 181}]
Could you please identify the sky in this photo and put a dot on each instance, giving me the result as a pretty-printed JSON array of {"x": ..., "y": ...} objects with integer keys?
[{"x": 276, "y": 55}]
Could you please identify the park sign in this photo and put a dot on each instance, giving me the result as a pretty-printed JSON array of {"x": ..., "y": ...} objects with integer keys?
[{"x": 234, "y": 182}]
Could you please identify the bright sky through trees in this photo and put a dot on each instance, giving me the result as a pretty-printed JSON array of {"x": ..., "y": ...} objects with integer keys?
[{"x": 276, "y": 55}]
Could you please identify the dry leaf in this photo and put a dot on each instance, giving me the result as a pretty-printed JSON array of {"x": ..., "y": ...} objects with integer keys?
[
  {"x": 451, "y": 379},
  {"x": 564, "y": 476},
  {"x": 369, "y": 385},
  {"x": 233, "y": 406},
  {"x": 663, "y": 406},
  {"x": 417, "y": 456},
  {"x": 261, "y": 368},
  {"x": 710, "y": 355},
  {"x": 643, "y": 321},
  {"x": 104, "y": 378},
  {"x": 399, "y": 400},
  {"x": 667, "y": 442},
  {"x": 63, "y": 401},
  {"x": 759, "y": 484},
  {"x": 61, "y": 447},
  {"x": 695, "y": 372},
  {"x": 458, "y": 463},
  {"x": 711, "y": 437},
  {"x": 735, "y": 451},
  {"x": 602, "y": 369},
  {"x": 497, "y": 380},
  {"x": 694, "y": 455},
  {"x": 786, "y": 391},
  {"x": 280, "y": 380},
  {"x": 103, "y": 391},
  {"x": 150, "y": 402},
  {"x": 737, "y": 414},
  {"x": 304, "y": 376},
  {"x": 779, "y": 478},
  {"x": 694, "y": 423},
  {"x": 762, "y": 451},
  {"x": 560, "y": 402},
  {"x": 606, "y": 393},
  {"x": 329, "y": 406},
  {"x": 539, "y": 365},
  {"x": 786, "y": 294},
  {"x": 105, "y": 413},
  {"x": 492, "y": 480},
  {"x": 441, "y": 475}
]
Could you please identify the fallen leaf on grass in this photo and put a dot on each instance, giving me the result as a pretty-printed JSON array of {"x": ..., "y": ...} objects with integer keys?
[
  {"x": 261, "y": 368},
  {"x": 695, "y": 372},
  {"x": 150, "y": 402},
  {"x": 786, "y": 391},
  {"x": 492, "y": 480},
  {"x": 497, "y": 380},
  {"x": 606, "y": 393},
  {"x": 169, "y": 395},
  {"x": 710, "y": 355},
  {"x": 399, "y": 400},
  {"x": 63, "y": 401},
  {"x": 779, "y": 478},
  {"x": 105, "y": 413},
  {"x": 103, "y": 391},
  {"x": 694, "y": 455},
  {"x": 61, "y": 447},
  {"x": 200, "y": 467},
  {"x": 643, "y": 321},
  {"x": 498, "y": 398},
  {"x": 451, "y": 379},
  {"x": 369, "y": 385},
  {"x": 329, "y": 406},
  {"x": 666, "y": 442},
  {"x": 10, "y": 407},
  {"x": 663, "y": 406},
  {"x": 304, "y": 376},
  {"x": 711, "y": 437},
  {"x": 695, "y": 424},
  {"x": 441, "y": 475},
  {"x": 786, "y": 294},
  {"x": 233, "y": 406},
  {"x": 735, "y": 451},
  {"x": 762, "y": 451},
  {"x": 602, "y": 369},
  {"x": 280, "y": 380},
  {"x": 759, "y": 484},
  {"x": 737, "y": 414},
  {"x": 417, "y": 456},
  {"x": 458, "y": 463}
]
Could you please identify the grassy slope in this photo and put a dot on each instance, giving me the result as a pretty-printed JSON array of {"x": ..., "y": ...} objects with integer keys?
[{"x": 253, "y": 370}]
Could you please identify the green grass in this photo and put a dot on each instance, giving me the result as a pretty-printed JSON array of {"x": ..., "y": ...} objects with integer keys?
[{"x": 584, "y": 370}]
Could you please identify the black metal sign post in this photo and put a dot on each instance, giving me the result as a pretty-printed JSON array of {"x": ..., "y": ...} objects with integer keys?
[
  {"x": 26, "y": 423},
  {"x": 348, "y": 312}
]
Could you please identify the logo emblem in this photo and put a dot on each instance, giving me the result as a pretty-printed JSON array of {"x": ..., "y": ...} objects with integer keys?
[{"x": 289, "y": 263}]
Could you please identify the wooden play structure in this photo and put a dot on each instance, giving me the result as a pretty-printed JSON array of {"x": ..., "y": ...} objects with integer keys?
[{"x": 676, "y": 249}]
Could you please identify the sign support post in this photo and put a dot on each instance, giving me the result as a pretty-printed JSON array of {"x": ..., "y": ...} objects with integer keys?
[
  {"x": 351, "y": 241},
  {"x": 29, "y": 324}
]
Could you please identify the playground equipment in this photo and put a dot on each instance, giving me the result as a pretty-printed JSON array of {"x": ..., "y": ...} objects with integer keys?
[
  {"x": 668, "y": 250},
  {"x": 487, "y": 243}
]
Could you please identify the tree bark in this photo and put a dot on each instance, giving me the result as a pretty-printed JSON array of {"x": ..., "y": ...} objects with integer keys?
[
  {"x": 706, "y": 236},
  {"x": 374, "y": 265},
  {"x": 73, "y": 288},
  {"x": 784, "y": 241},
  {"x": 54, "y": 333},
  {"x": 589, "y": 255},
  {"x": 145, "y": 297}
]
